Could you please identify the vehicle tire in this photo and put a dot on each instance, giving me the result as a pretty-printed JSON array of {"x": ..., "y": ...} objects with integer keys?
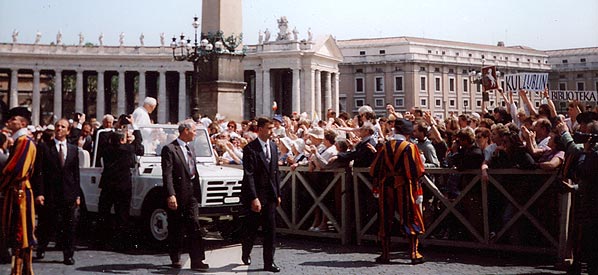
[{"x": 155, "y": 222}]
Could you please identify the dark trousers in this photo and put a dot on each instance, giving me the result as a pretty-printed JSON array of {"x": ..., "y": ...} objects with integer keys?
[
  {"x": 185, "y": 218},
  {"x": 267, "y": 218},
  {"x": 121, "y": 199},
  {"x": 60, "y": 219}
]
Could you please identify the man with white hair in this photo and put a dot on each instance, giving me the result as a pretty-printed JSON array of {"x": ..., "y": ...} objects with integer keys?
[{"x": 141, "y": 114}]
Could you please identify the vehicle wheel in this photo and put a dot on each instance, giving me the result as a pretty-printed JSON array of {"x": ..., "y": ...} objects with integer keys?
[{"x": 155, "y": 223}]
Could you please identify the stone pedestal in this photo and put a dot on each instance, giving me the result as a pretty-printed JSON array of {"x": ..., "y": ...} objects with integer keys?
[{"x": 220, "y": 85}]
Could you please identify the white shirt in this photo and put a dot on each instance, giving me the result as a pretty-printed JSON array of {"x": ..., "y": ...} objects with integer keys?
[
  {"x": 184, "y": 148},
  {"x": 58, "y": 143},
  {"x": 141, "y": 117}
]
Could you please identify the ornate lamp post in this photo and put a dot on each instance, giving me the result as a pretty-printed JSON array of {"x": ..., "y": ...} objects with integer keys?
[{"x": 205, "y": 53}]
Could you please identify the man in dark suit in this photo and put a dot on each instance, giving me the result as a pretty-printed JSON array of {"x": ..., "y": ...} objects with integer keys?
[
  {"x": 117, "y": 183},
  {"x": 260, "y": 193},
  {"x": 57, "y": 191},
  {"x": 181, "y": 182}
]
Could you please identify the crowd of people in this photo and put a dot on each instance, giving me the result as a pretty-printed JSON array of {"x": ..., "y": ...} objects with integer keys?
[{"x": 523, "y": 137}]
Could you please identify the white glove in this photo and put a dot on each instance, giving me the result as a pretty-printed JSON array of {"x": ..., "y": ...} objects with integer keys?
[{"x": 419, "y": 200}]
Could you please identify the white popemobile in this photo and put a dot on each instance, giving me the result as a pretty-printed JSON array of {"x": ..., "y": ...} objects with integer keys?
[{"x": 220, "y": 185}]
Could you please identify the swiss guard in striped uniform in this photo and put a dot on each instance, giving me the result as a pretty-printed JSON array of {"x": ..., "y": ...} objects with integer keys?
[
  {"x": 18, "y": 213},
  {"x": 396, "y": 171}
]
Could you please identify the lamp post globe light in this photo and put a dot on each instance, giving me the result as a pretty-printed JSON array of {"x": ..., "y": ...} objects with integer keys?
[{"x": 205, "y": 52}]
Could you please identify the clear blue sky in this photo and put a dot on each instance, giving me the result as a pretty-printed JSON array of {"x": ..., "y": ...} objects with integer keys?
[{"x": 540, "y": 24}]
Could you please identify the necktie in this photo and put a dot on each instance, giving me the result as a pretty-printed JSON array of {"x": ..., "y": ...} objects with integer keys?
[
  {"x": 61, "y": 154},
  {"x": 267, "y": 152},
  {"x": 191, "y": 161}
]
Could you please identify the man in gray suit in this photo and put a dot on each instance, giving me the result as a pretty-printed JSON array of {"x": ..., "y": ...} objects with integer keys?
[{"x": 181, "y": 183}]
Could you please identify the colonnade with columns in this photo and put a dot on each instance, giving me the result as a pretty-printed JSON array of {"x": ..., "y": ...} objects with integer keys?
[
  {"x": 313, "y": 91},
  {"x": 173, "y": 96}
]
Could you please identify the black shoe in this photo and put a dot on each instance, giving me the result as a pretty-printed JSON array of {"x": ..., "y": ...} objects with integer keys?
[
  {"x": 272, "y": 268},
  {"x": 246, "y": 260},
  {"x": 69, "y": 261},
  {"x": 40, "y": 255},
  {"x": 201, "y": 266},
  {"x": 382, "y": 260},
  {"x": 416, "y": 261},
  {"x": 176, "y": 264}
]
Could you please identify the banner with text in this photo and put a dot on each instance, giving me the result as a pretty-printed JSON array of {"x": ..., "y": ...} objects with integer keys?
[
  {"x": 528, "y": 81},
  {"x": 582, "y": 96}
]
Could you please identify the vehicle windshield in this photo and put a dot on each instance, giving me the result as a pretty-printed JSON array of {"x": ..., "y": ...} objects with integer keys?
[{"x": 155, "y": 138}]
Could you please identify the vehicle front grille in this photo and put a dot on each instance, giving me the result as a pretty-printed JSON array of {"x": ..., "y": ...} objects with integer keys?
[{"x": 222, "y": 193}]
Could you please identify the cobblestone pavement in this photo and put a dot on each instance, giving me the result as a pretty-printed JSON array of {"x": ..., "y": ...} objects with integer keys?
[{"x": 299, "y": 256}]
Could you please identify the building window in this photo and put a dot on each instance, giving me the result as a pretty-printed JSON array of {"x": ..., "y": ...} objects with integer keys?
[
  {"x": 483, "y": 56},
  {"x": 361, "y": 52},
  {"x": 478, "y": 103},
  {"x": 359, "y": 85},
  {"x": 379, "y": 70},
  {"x": 424, "y": 102},
  {"x": 464, "y": 72},
  {"x": 452, "y": 103},
  {"x": 382, "y": 51},
  {"x": 379, "y": 84},
  {"x": 422, "y": 83},
  {"x": 491, "y": 102},
  {"x": 429, "y": 51},
  {"x": 399, "y": 102},
  {"x": 579, "y": 75},
  {"x": 436, "y": 70},
  {"x": 465, "y": 85},
  {"x": 422, "y": 69},
  {"x": 565, "y": 61},
  {"x": 437, "y": 84},
  {"x": 443, "y": 52},
  {"x": 581, "y": 86},
  {"x": 563, "y": 86},
  {"x": 379, "y": 102},
  {"x": 398, "y": 83},
  {"x": 359, "y": 102},
  {"x": 470, "y": 55},
  {"x": 451, "y": 71},
  {"x": 583, "y": 60},
  {"x": 451, "y": 84},
  {"x": 456, "y": 54},
  {"x": 478, "y": 88},
  {"x": 359, "y": 71},
  {"x": 537, "y": 104},
  {"x": 438, "y": 103}
]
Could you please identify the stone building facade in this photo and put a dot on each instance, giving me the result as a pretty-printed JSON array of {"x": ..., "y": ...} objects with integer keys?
[{"x": 427, "y": 73}]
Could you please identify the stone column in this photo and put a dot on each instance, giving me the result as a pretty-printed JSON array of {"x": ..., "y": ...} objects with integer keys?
[
  {"x": 327, "y": 91},
  {"x": 79, "y": 92},
  {"x": 100, "y": 100},
  {"x": 309, "y": 96},
  {"x": 259, "y": 92},
  {"x": 318, "y": 95},
  {"x": 35, "y": 99},
  {"x": 335, "y": 92},
  {"x": 57, "y": 95},
  {"x": 14, "y": 88},
  {"x": 296, "y": 91},
  {"x": 142, "y": 88},
  {"x": 120, "y": 94},
  {"x": 162, "y": 97},
  {"x": 182, "y": 96},
  {"x": 266, "y": 96}
]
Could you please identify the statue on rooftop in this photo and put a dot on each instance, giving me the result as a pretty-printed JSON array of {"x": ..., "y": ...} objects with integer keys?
[
  {"x": 295, "y": 34},
  {"x": 162, "y": 39},
  {"x": 260, "y": 38},
  {"x": 38, "y": 37},
  {"x": 101, "y": 39},
  {"x": 121, "y": 39},
  {"x": 141, "y": 37},
  {"x": 310, "y": 36},
  {"x": 266, "y": 35},
  {"x": 59, "y": 38},
  {"x": 81, "y": 39},
  {"x": 283, "y": 26},
  {"x": 15, "y": 36}
]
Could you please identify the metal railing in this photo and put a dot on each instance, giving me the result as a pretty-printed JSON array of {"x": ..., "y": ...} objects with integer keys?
[
  {"x": 532, "y": 215},
  {"x": 308, "y": 191}
]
